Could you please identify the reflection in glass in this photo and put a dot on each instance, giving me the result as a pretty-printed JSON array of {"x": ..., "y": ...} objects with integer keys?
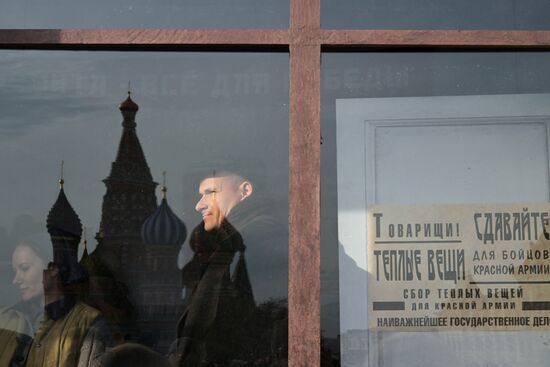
[
  {"x": 221, "y": 294},
  {"x": 442, "y": 14},
  {"x": 144, "y": 14},
  {"x": 19, "y": 322},
  {"x": 444, "y": 127},
  {"x": 143, "y": 283}
]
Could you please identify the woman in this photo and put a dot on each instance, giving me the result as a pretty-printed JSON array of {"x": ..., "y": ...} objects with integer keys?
[
  {"x": 29, "y": 260},
  {"x": 19, "y": 322}
]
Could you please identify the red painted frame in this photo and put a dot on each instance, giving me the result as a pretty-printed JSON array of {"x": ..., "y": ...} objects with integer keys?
[{"x": 304, "y": 40}]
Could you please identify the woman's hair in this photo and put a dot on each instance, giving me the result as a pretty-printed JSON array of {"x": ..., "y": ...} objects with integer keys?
[
  {"x": 133, "y": 355},
  {"x": 40, "y": 244}
]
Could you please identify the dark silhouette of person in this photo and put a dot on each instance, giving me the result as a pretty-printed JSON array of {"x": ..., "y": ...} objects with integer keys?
[
  {"x": 72, "y": 334},
  {"x": 217, "y": 309},
  {"x": 221, "y": 323},
  {"x": 133, "y": 355}
]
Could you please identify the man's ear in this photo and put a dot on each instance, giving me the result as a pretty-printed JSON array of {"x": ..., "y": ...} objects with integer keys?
[{"x": 245, "y": 189}]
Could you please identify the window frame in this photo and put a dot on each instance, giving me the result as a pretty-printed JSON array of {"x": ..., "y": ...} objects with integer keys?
[{"x": 304, "y": 40}]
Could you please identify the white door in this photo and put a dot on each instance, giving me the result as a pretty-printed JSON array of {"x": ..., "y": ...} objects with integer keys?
[{"x": 452, "y": 149}]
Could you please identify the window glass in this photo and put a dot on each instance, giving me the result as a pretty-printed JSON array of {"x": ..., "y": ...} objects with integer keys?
[
  {"x": 144, "y": 14},
  {"x": 427, "y": 14},
  {"x": 145, "y": 201},
  {"x": 427, "y": 160}
]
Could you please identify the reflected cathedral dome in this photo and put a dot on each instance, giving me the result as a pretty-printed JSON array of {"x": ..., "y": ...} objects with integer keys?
[{"x": 163, "y": 227}]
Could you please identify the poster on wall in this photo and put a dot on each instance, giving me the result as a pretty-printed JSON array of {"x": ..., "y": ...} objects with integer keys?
[
  {"x": 416, "y": 159},
  {"x": 459, "y": 267}
]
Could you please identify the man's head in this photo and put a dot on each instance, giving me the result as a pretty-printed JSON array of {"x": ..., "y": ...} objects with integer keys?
[
  {"x": 219, "y": 195},
  {"x": 51, "y": 280}
]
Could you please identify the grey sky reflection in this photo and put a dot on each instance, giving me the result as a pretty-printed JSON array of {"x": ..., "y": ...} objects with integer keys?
[
  {"x": 193, "y": 108},
  {"x": 144, "y": 14},
  {"x": 441, "y": 14}
]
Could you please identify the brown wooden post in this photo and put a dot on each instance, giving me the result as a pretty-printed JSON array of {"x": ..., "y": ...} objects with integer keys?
[
  {"x": 304, "y": 186},
  {"x": 304, "y": 39}
]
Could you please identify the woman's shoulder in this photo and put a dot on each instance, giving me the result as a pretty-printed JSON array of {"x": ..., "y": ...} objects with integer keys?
[
  {"x": 11, "y": 311},
  {"x": 11, "y": 318}
]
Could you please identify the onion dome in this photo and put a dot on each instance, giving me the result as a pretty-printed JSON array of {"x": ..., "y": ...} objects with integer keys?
[
  {"x": 129, "y": 109},
  {"x": 62, "y": 216},
  {"x": 163, "y": 227},
  {"x": 128, "y": 104},
  {"x": 65, "y": 231}
]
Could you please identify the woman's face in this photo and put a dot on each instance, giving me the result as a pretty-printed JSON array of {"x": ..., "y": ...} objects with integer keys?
[{"x": 28, "y": 268}]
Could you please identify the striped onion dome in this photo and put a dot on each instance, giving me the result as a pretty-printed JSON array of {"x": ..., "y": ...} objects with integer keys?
[{"x": 163, "y": 227}]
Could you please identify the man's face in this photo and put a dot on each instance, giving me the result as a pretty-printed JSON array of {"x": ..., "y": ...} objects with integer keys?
[
  {"x": 50, "y": 280},
  {"x": 218, "y": 196}
]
